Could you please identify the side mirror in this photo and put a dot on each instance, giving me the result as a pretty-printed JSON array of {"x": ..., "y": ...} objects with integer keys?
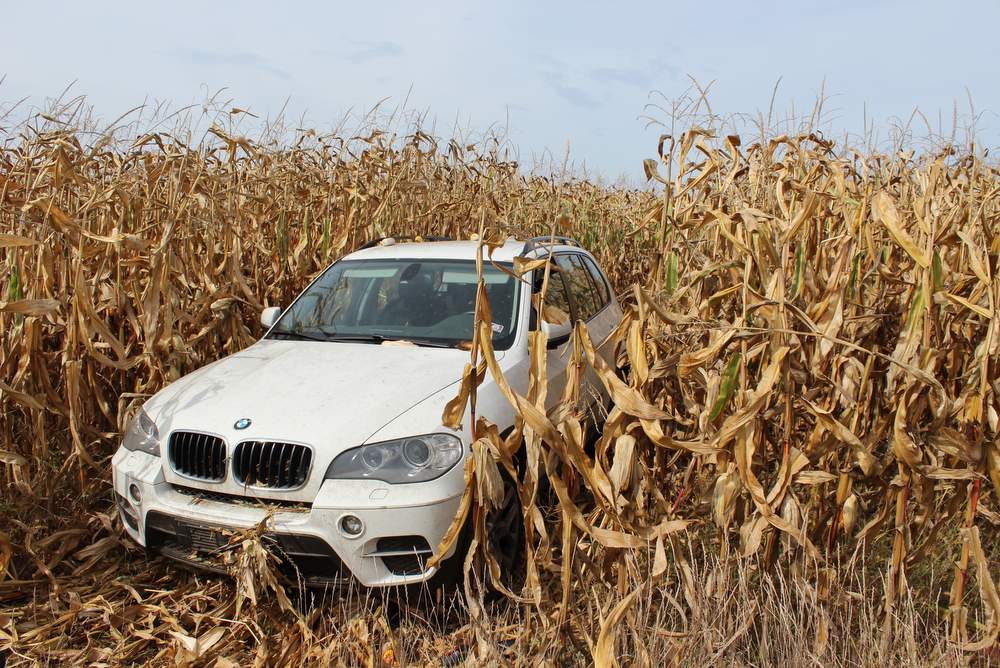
[
  {"x": 269, "y": 316},
  {"x": 557, "y": 333}
]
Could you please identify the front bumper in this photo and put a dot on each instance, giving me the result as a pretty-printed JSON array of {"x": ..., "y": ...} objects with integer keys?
[{"x": 401, "y": 526}]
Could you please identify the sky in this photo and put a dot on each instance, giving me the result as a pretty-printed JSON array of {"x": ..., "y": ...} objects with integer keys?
[{"x": 555, "y": 76}]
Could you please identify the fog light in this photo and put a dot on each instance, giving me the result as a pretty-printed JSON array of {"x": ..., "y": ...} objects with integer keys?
[
  {"x": 133, "y": 491},
  {"x": 351, "y": 525}
]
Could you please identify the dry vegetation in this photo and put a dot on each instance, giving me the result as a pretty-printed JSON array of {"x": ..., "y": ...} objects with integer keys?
[{"x": 801, "y": 464}]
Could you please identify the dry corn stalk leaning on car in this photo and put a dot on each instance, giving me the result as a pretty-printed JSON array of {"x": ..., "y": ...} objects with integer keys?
[{"x": 807, "y": 370}]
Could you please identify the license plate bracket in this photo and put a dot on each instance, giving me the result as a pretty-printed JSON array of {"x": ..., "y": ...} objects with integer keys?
[{"x": 199, "y": 537}]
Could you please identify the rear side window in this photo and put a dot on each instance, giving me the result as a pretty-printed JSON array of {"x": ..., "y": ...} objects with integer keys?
[
  {"x": 603, "y": 292},
  {"x": 581, "y": 286}
]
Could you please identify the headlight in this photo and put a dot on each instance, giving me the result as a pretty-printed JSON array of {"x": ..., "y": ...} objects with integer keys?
[
  {"x": 142, "y": 434},
  {"x": 407, "y": 460}
]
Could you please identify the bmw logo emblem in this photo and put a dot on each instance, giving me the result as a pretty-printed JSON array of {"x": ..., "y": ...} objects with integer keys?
[{"x": 242, "y": 423}]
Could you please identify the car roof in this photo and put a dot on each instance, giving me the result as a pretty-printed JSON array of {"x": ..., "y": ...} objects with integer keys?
[{"x": 451, "y": 250}]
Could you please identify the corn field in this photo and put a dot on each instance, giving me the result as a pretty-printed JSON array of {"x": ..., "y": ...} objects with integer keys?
[{"x": 800, "y": 463}]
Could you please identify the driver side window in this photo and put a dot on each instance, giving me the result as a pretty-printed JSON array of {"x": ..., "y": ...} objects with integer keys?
[
  {"x": 556, "y": 308},
  {"x": 583, "y": 293}
]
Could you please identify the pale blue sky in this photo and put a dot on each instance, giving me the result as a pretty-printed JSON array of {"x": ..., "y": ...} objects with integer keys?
[{"x": 554, "y": 72}]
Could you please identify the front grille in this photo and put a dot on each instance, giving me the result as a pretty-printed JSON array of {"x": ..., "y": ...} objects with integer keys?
[
  {"x": 270, "y": 464},
  {"x": 198, "y": 455}
]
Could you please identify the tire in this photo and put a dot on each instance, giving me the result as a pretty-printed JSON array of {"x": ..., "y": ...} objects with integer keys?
[{"x": 505, "y": 533}]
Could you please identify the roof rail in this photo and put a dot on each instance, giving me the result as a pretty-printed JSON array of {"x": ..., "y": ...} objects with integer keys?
[
  {"x": 548, "y": 240},
  {"x": 405, "y": 237}
]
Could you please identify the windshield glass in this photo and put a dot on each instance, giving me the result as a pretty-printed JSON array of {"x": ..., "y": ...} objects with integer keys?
[{"x": 429, "y": 302}]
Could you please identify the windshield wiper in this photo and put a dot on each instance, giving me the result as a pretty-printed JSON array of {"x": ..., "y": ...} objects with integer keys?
[
  {"x": 429, "y": 343},
  {"x": 358, "y": 338},
  {"x": 380, "y": 338},
  {"x": 290, "y": 334}
]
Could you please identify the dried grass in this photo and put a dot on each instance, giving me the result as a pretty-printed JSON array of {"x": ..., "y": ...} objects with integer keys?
[{"x": 807, "y": 403}]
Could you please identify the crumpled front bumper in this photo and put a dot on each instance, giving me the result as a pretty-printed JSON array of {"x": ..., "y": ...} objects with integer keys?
[{"x": 186, "y": 522}]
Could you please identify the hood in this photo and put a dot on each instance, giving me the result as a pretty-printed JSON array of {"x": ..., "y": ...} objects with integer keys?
[{"x": 331, "y": 396}]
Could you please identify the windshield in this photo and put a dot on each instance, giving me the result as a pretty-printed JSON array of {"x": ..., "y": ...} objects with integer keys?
[{"x": 428, "y": 302}]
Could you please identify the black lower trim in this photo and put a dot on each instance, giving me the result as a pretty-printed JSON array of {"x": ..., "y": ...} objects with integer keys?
[
  {"x": 302, "y": 558},
  {"x": 128, "y": 515},
  {"x": 405, "y": 564}
]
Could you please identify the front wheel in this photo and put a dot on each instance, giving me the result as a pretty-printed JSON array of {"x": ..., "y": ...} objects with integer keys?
[
  {"x": 505, "y": 540},
  {"x": 505, "y": 534}
]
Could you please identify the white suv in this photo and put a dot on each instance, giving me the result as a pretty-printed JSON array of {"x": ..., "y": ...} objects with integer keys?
[{"x": 332, "y": 421}]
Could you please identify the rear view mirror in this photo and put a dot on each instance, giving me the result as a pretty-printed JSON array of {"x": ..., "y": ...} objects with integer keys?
[
  {"x": 557, "y": 333},
  {"x": 269, "y": 316}
]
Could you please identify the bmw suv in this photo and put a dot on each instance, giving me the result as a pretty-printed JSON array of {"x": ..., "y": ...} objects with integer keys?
[{"x": 330, "y": 426}]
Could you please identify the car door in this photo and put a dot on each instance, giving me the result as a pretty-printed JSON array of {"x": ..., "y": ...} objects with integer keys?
[
  {"x": 556, "y": 297},
  {"x": 608, "y": 315},
  {"x": 591, "y": 305}
]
